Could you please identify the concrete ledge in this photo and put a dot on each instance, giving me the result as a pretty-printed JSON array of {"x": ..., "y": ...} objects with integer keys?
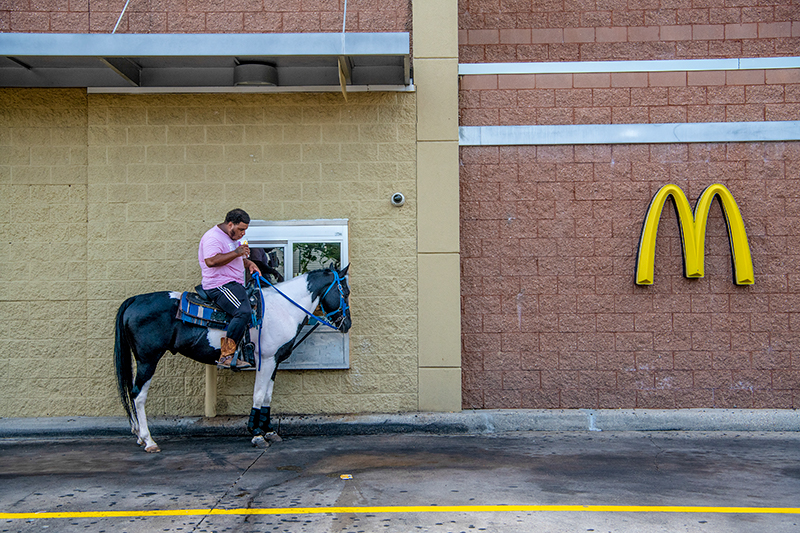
[
  {"x": 690, "y": 132},
  {"x": 465, "y": 422}
]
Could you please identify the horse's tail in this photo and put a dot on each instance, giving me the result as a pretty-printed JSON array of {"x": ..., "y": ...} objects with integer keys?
[{"x": 122, "y": 360}]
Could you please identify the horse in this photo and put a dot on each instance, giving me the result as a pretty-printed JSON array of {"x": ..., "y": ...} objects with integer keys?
[{"x": 147, "y": 327}]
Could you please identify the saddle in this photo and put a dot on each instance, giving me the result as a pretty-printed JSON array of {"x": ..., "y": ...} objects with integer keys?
[{"x": 197, "y": 308}]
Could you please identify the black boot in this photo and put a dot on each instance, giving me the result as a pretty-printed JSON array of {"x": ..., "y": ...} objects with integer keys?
[
  {"x": 263, "y": 421},
  {"x": 258, "y": 424},
  {"x": 252, "y": 423}
]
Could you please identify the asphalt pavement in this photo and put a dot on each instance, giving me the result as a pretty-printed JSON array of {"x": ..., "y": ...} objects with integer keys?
[{"x": 542, "y": 481}]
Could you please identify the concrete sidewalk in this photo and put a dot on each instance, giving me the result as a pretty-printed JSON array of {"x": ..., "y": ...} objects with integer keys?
[{"x": 465, "y": 422}]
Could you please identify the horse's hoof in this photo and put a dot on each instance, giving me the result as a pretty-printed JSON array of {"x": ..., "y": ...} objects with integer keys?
[
  {"x": 259, "y": 442},
  {"x": 272, "y": 437},
  {"x": 153, "y": 448}
]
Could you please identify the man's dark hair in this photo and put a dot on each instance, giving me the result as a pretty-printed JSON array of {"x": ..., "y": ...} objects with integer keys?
[{"x": 236, "y": 216}]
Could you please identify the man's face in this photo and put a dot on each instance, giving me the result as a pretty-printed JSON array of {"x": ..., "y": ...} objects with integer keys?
[{"x": 236, "y": 231}]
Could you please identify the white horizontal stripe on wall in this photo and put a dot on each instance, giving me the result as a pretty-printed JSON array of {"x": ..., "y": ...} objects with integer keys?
[
  {"x": 705, "y": 132},
  {"x": 656, "y": 65}
]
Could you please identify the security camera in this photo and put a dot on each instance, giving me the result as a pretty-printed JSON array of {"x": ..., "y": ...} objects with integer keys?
[{"x": 398, "y": 199}]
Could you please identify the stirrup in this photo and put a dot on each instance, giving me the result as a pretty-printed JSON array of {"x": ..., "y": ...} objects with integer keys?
[{"x": 228, "y": 363}]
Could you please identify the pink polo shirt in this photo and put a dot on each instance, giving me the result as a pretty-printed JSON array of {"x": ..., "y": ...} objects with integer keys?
[{"x": 215, "y": 241}]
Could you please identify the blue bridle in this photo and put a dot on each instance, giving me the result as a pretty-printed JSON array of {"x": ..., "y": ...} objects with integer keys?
[
  {"x": 343, "y": 307},
  {"x": 326, "y": 318}
]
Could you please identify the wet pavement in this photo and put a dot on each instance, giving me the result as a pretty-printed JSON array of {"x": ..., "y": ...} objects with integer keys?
[{"x": 543, "y": 481}]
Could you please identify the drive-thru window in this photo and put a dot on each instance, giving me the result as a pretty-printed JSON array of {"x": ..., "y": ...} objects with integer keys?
[{"x": 292, "y": 248}]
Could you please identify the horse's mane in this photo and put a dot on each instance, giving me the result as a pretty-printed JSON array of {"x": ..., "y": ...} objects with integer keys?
[{"x": 319, "y": 280}]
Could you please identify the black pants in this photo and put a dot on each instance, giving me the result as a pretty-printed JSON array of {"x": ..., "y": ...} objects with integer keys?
[{"x": 232, "y": 298}]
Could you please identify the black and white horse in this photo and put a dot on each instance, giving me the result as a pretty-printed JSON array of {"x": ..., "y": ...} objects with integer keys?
[{"x": 147, "y": 327}]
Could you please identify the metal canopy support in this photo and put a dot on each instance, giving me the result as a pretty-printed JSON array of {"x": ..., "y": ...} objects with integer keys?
[
  {"x": 158, "y": 61},
  {"x": 20, "y": 63},
  {"x": 125, "y": 68}
]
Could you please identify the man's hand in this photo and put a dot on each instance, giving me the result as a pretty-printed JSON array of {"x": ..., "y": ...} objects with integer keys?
[
  {"x": 243, "y": 250},
  {"x": 251, "y": 267}
]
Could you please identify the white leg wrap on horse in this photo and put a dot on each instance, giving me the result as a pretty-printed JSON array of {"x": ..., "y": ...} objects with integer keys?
[
  {"x": 262, "y": 392},
  {"x": 141, "y": 421}
]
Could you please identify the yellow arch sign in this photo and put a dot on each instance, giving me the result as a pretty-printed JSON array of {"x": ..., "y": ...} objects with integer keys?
[{"x": 693, "y": 234}]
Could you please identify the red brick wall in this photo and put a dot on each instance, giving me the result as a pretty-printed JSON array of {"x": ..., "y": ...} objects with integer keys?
[
  {"x": 203, "y": 16},
  {"x": 636, "y": 97},
  {"x": 551, "y": 316},
  {"x": 590, "y": 30}
]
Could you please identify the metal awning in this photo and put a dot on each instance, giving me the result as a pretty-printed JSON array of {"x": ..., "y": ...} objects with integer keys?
[{"x": 165, "y": 62}]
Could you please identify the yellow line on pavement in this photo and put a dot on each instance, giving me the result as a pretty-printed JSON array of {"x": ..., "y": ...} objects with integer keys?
[{"x": 401, "y": 509}]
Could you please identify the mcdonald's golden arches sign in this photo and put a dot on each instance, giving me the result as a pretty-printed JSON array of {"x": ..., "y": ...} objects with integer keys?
[{"x": 693, "y": 234}]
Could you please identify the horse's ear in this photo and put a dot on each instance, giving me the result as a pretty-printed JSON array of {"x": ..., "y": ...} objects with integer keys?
[{"x": 343, "y": 273}]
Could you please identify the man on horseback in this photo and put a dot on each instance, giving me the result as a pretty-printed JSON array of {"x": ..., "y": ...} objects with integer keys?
[{"x": 223, "y": 262}]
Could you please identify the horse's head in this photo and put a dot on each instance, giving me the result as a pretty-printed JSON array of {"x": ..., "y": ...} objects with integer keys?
[{"x": 335, "y": 300}]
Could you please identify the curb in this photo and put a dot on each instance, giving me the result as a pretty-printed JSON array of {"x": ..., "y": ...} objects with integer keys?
[{"x": 463, "y": 423}]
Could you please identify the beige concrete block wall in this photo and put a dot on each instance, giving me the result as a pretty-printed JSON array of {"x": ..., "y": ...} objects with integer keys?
[
  {"x": 43, "y": 152},
  {"x": 157, "y": 172}
]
